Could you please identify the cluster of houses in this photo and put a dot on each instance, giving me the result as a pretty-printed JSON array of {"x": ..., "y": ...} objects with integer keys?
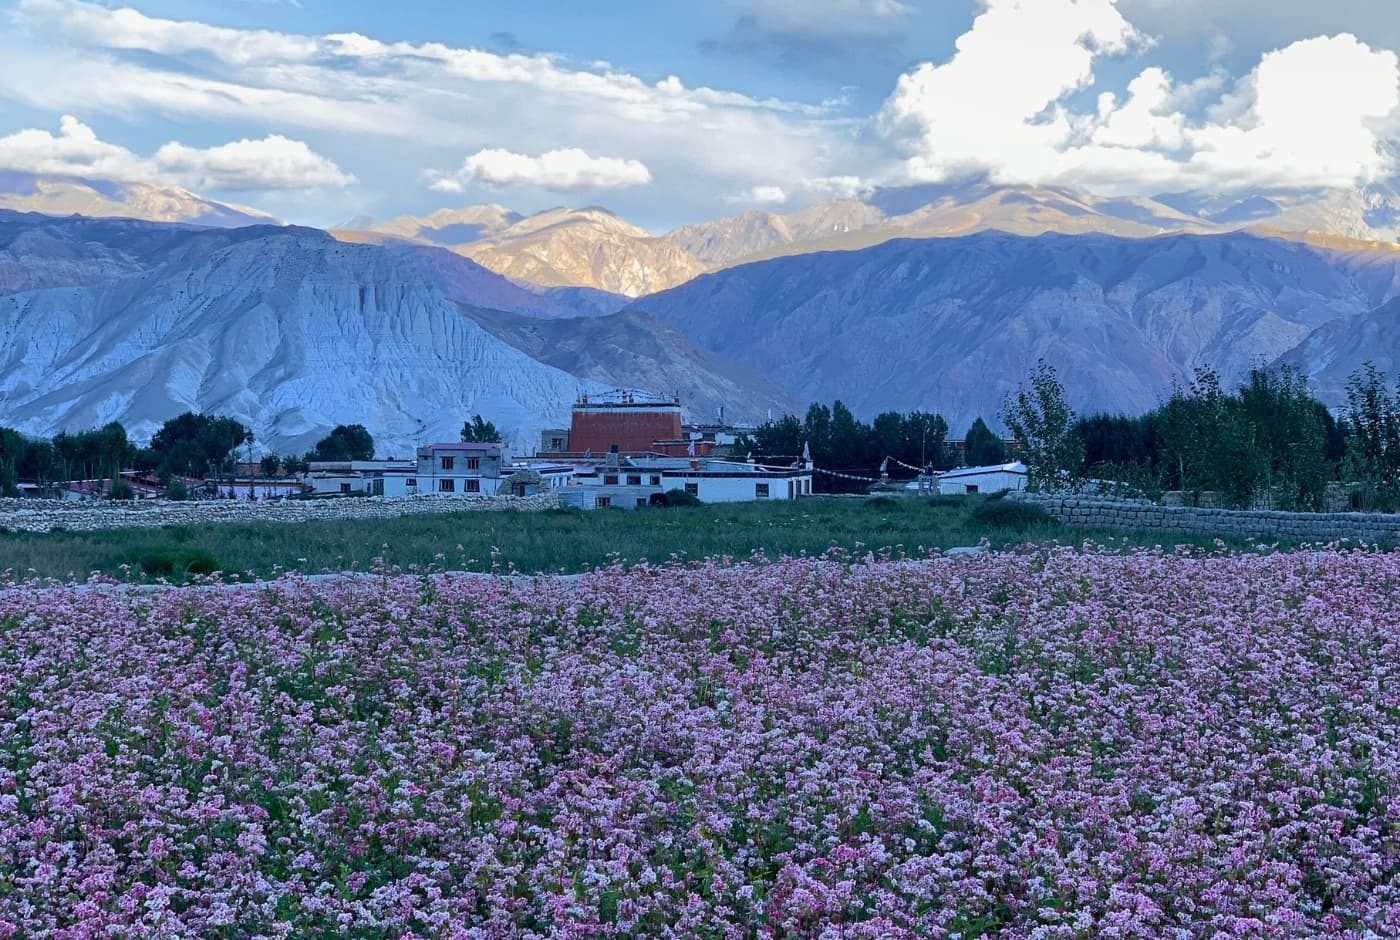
[{"x": 623, "y": 450}]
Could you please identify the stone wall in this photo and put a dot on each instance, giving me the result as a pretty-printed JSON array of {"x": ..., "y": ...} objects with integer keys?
[
  {"x": 1319, "y": 527},
  {"x": 41, "y": 515}
]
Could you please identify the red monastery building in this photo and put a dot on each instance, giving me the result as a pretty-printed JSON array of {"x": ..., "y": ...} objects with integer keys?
[{"x": 624, "y": 423}]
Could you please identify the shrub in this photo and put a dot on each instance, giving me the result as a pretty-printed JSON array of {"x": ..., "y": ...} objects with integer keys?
[
  {"x": 121, "y": 491},
  {"x": 177, "y": 491},
  {"x": 176, "y": 561},
  {"x": 679, "y": 498},
  {"x": 1009, "y": 514}
]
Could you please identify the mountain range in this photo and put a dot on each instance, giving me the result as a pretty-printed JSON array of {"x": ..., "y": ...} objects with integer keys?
[
  {"x": 594, "y": 248},
  {"x": 956, "y": 323},
  {"x": 294, "y": 332},
  {"x": 937, "y": 298}
]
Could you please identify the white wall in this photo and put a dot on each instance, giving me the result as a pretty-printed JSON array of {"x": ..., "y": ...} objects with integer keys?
[{"x": 991, "y": 482}]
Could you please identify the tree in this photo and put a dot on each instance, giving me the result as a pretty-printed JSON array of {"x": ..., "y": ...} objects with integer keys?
[
  {"x": 270, "y": 465},
  {"x": 982, "y": 448},
  {"x": 1289, "y": 436},
  {"x": 345, "y": 442},
  {"x": 1042, "y": 423},
  {"x": 924, "y": 437},
  {"x": 13, "y": 447},
  {"x": 1373, "y": 425},
  {"x": 479, "y": 431},
  {"x": 781, "y": 438},
  {"x": 198, "y": 445}
]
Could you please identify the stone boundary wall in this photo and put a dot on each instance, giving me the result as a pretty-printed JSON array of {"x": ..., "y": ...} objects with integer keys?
[
  {"x": 1320, "y": 527},
  {"x": 34, "y": 515}
]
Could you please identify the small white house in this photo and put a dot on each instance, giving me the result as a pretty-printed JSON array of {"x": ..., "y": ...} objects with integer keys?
[
  {"x": 1007, "y": 476},
  {"x": 362, "y": 477}
]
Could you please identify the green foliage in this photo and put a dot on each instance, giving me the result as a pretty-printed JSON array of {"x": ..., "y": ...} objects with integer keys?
[
  {"x": 553, "y": 541},
  {"x": 982, "y": 448},
  {"x": 480, "y": 431},
  {"x": 679, "y": 497},
  {"x": 345, "y": 442},
  {"x": 177, "y": 561},
  {"x": 1011, "y": 515},
  {"x": 838, "y": 441},
  {"x": 121, "y": 490},
  {"x": 1043, "y": 424},
  {"x": 177, "y": 490},
  {"x": 271, "y": 465},
  {"x": 198, "y": 445},
  {"x": 95, "y": 454},
  {"x": 13, "y": 447}
]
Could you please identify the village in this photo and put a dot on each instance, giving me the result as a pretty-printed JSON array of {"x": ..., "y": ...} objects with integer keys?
[{"x": 626, "y": 449}]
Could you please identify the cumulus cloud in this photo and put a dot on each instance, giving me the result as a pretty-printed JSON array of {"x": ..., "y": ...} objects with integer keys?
[
  {"x": 273, "y": 163},
  {"x": 566, "y": 170},
  {"x": 1313, "y": 120},
  {"x": 999, "y": 97},
  {"x": 1308, "y": 116},
  {"x": 74, "y": 151}
]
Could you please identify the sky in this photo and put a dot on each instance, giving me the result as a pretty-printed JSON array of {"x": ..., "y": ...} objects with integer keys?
[{"x": 675, "y": 111}]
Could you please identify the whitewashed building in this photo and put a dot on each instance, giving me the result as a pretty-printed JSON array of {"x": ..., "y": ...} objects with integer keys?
[
  {"x": 463, "y": 469},
  {"x": 633, "y": 482},
  {"x": 1007, "y": 476},
  {"x": 362, "y": 477}
]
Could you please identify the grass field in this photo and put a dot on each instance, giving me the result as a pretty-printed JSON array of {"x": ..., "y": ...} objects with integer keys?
[{"x": 554, "y": 541}]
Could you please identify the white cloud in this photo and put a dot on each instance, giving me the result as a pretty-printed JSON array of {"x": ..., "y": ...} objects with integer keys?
[
  {"x": 999, "y": 96},
  {"x": 1313, "y": 119},
  {"x": 74, "y": 151},
  {"x": 446, "y": 100},
  {"x": 1309, "y": 116},
  {"x": 273, "y": 163},
  {"x": 766, "y": 195},
  {"x": 564, "y": 170}
]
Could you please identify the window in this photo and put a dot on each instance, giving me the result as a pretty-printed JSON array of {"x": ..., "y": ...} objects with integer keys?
[
  {"x": 556, "y": 443},
  {"x": 603, "y": 502},
  {"x": 471, "y": 486},
  {"x": 447, "y": 486},
  {"x": 345, "y": 487},
  {"x": 449, "y": 462},
  {"x": 656, "y": 479},
  {"x": 410, "y": 482},
  {"x": 693, "y": 489},
  {"x": 641, "y": 501},
  {"x": 972, "y": 487},
  {"x": 760, "y": 491},
  {"x": 473, "y": 463},
  {"x": 634, "y": 479},
  {"x": 610, "y": 480}
]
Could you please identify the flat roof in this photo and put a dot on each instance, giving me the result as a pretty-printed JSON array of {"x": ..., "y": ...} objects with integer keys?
[{"x": 1017, "y": 468}]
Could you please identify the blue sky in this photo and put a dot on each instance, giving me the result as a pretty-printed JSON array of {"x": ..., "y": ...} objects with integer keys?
[{"x": 671, "y": 112}]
